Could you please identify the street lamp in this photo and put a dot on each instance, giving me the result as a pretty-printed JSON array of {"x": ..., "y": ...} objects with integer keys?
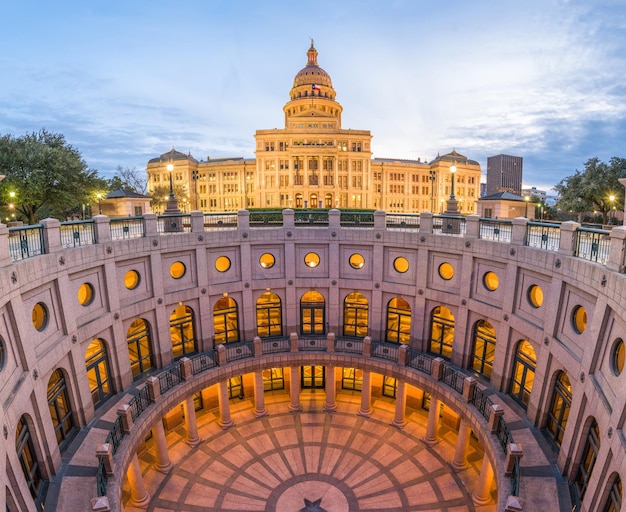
[
  {"x": 99, "y": 196},
  {"x": 432, "y": 190},
  {"x": 452, "y": 171},
  {"x": 170, "y": 168},
  {"x": 527, "y": 199},
  {"x": 612, "y": 200}
]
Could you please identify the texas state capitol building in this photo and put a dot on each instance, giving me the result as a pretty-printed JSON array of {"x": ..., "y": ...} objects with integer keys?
[
  {"x": 314, "y": 163},
  {"x": 235, "y": 366}
]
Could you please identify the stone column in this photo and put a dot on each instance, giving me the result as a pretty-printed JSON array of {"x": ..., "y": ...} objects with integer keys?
[
  {"x": 366, "y": 395},
  {"x": 190, "y": 422},
  {"x": 431, "y": 438},
  {"x": 224, "y": 405},
  {"x": 398, "y": 418},
  {"x": 294, "y": 389},
  {"x": 459, "y": 462},
  {"x": 139, "y": 497},
  {"x": 163, "y": 457},
  {"x": 482, "y": 494},
  {"x": 259, "y": 395},
  {"x": 331, "y": 404}
]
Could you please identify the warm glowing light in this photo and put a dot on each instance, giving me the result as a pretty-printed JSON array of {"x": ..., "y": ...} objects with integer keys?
[
  {"x": 170, "y": 167},
  {"x": 453, "y": 168}
]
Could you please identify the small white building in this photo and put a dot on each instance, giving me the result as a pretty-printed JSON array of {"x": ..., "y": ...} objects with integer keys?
[
  {"x": 124, "y": 203},
  {"x": 505, "y": 205}
]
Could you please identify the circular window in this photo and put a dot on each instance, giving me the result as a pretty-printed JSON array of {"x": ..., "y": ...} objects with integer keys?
[
  {"x": 401, "y": 264},
  {"x": 311, "y": 260},
  {"x": 535, "y": 296},
  {"x": 491, "y": 281},
  {"x": 40, "y": 316},
  {"x": 579, "y": 319},
  {"x": 446, "y": 271},
  {"x": 222, "y": 264},
  {"x": 267, "y": 260},
  {"x": 177, "y": 269},
  {"x": 357, "y": 261},
  {"x": 131, "y": 279},
  {"x": 2, "y": 353},
  {"x": 85, "y": 294},
  {"x": 617, "y": 356}
]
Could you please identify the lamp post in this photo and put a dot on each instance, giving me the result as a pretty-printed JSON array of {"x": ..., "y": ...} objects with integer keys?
[
  {"x": 432, "y": 190},
  {"x": 172, "y": 205},
  {"x": 170, "y": 168},
  {"x": 99, "y": 196},
  {"x": 612, "y": 216},
  {"x": 453, "y": 205},
  {"x": 527, "y": 199}
]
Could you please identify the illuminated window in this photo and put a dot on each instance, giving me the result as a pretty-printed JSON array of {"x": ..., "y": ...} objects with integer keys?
[
  {"x": 40, "y": 316},
  {"x": 352, "y": 378},
  {"x": 131, "y": 279},
  {"x": 60, "y": 409},
  {"x": 27, "y": 455},
  {"x": 273, "y": 379},
  {"x": 535, "y": 296},
  {"x": 401, "y": 264},
  {"x": 579, "y": 319},
  {"x": 269, "y": 315},
  {"x": 98, "y": 373},
  {"x": 523, "y": 372},
  {"x": 491, "y": 282},
  {"x": 559, "y": 408},
  {"x": 614, "y": 500},
  {"x": 484, "y": 347},
  {"x": 617, "y": 356},
  {"x": 587, "y": 460},
  {"x": 442, "y": 332},
  {"x": 177, "y": 269},
  {"x": 357, "y": 261},
  {"x": 225, "y": 321},
  {"x": 182, "y": 331},
  {"x": 446, "y": 271},
  {"x": 267, "y": 260},
  {"x": 312, "y": 313},
  {"x": 222, "y": 264},
  {"x": 85, "y": 294},
  {"x": 311, "y": 260},
  {"x": 139, "y": 347},
  {"x": 398, "y": 321},
  {"x": 355, "y": 315}
]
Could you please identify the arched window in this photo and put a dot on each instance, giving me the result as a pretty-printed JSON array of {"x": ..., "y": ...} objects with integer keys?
[
  {"x": 559, "y": 408},
  {"x": 442, "y": 332},
  {"x": 98, "y": 372},
  {"x": 484, "y": 347},
  {"x": 523, "y": 372},
  {"x": 587, "y": 460},
  {"x": 299, "y": 199},
  {"x": 182, "y": 332},
  {"x": 60, "y": 409},
  {"x": 269, "y": 316},
  {"x": 25, "y": 449},
  {"x": 614, "y": 500},
  {"x": 328, "y": 201},
  {"x": 398, "y": 321},
  {"x": 312, "y": 313},
  {"x": 355, "y": 315},
  {"x": 313, "y": 200},
  {"x": 226, "y": 321},
  {"x": 139, "y": 347}
]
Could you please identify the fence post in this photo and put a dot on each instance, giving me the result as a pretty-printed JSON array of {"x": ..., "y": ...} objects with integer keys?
[
  {"x": 379, "y": 219},
  {"x": 367, "y": 346},
  {"x": 514, "y": 504},
  {"x": 494, "y": 418},
  {"x": 150, "y": 224},
  {"x": 221, "y": 354},
  {"x": 154, "y": 389},
  {"x": 102, "y": 228},
  {"x": 243, "y": 220},
  {"x": 513, "y": 452},
  {"x": 331, "y": 342},
  {"x": 472, "y": 226},
  {"x": 293, "y": 338},
  {"x": 197, "y": 221},
  {"x": 426, "y": 222},
  {"x": 5, "y": 251},
  {"x": 468, "y": 389},
  {"x": 334, "y": 218},
  {"x": 617, "y": 240},
  {"x": 105, "y": 453},
  {"x": 100, "y": 504},
  {"x": 289, "y": 218},
  {"x": 438, "y": 363},
  {"x": 127, "y": 419},
  {"x": 258, "y": 347},
  {"x": 518, "y": 231},
  {"x": 51, "y": 235},
  {"x": 185, "y": 368},
  {"x": 403, "y": 355},
  {"x": 567, "y": 237}
]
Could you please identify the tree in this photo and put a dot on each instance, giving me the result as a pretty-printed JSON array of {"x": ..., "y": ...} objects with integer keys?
[
  {"x": 592, "y": 189},
  {"x": 129, "y": 179},
  {"x": 46, "y": 176},
  {"x": 160, "y": 195}
]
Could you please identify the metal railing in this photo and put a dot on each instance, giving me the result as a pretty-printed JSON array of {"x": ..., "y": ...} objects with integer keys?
[
  {"x": 357, "y": 219},
  {"x": 102, "y": 478},
  {"x": 515, "y": 477},
  {"x": 420, "y": 361},
  {"x": 139, "y": 403},
  {"x": 482, "y": 402},
  {"x": 239, "y": 350},
  {"x": 220, "y": 221},
  {"x": 26, "y": 242},
  {"x": 406, "y": 221},
  {"x": 127, "y": 227},
  {"x": 495, "y": 230},
  {"x": 115, "y": 435},
  {"x": 310, "y": 218},
  {"x": 169, "y": 378},
  {"x": 453, "y": 378},
  {"x": 312, "y": 343},
  {"x": 170, "y": 224},
  {"x": 448, "y": 225},
  {"x": 77, "y": 233},
  {"x": 202, "y": 362},
  {"x": 349, "y": 345},
  {"x": 543, "y": 235},
  {"x": 503, "y": 433},
  {"x": 385, "y": 350},
  {"x": 592, "y": 244},
  {"x": 266, "y": 219},
  {"x": 273, "y": 346}
]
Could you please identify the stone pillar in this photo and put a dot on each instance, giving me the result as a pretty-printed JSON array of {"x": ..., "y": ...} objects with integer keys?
[
  {"x": 139, "y": 496},
  {"x": 294, "y": 389},
  {"x": 330, "y": 338},
  {"x": 380, "y": 219},
  {"x": 163, "y": 457},
  {"x": 197, "y": 221},
  {"x": 482, "y": 493},
  {"x": 334, "y": 218},
  {"x": 259, "y": 394},
  {"x": 105, "y": 452},
  {"x": 289, "y": 218},
  {"x": 243, "y": 220},
  {"x": 468, "y": 388},
  {"x": 258, "y": 346},
  {"x": 221, "y": 354},
  {"x": 52, "y": 235},
  {"x": 514, "y": 504},
  {"x": 403, "y": 355},
  {"x": 150, "y": 224},
  {"x": 494, "y": 418},
  {"x": 125, "y": 413},
  {"x": 438, "y": 363},
  {"x": 367, "y": 346},
  {"x": 185, "y": 368},
  {"x": 617, "y": 239},
  {"x": 293, "y": 340},
  {"x": 366, "y": 395},
  {"x": 432, "y": 427},
  {"x": 567, "y": 238},
  {"x": 190, "y": 422},
  {"x": 426, "y": 222},
  {"x": 398, "y": 418},
  {"x": 224, "y": 405},
  {"x": 472, "y": 226},
  {"x": 154, "y": 389},
  {"x": 514, "y": 454},
  {"x": 331, "y": 404},
  {"x": 459, "y": 462},
  {"x": 102, "y": 228},
  {"x": 518, "y": 233},
  {"x": 5, "y": 252}
]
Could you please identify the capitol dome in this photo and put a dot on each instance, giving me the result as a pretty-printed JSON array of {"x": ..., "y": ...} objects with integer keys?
[{"x": 312, "y": 74}]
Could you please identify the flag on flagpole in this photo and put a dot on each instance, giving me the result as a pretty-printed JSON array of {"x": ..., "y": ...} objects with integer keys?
[{"x": 315, "y": 87}]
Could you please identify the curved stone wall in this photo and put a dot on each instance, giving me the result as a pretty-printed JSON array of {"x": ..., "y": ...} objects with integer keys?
[{"x": 31, "y": 356}]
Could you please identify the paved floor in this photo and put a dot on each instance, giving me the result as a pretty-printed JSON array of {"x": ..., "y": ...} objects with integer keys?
[{"x": 311, "y": 461}]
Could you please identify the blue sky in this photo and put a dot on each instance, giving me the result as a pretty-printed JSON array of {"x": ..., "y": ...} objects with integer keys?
[{"x": 125, "y": 81}]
